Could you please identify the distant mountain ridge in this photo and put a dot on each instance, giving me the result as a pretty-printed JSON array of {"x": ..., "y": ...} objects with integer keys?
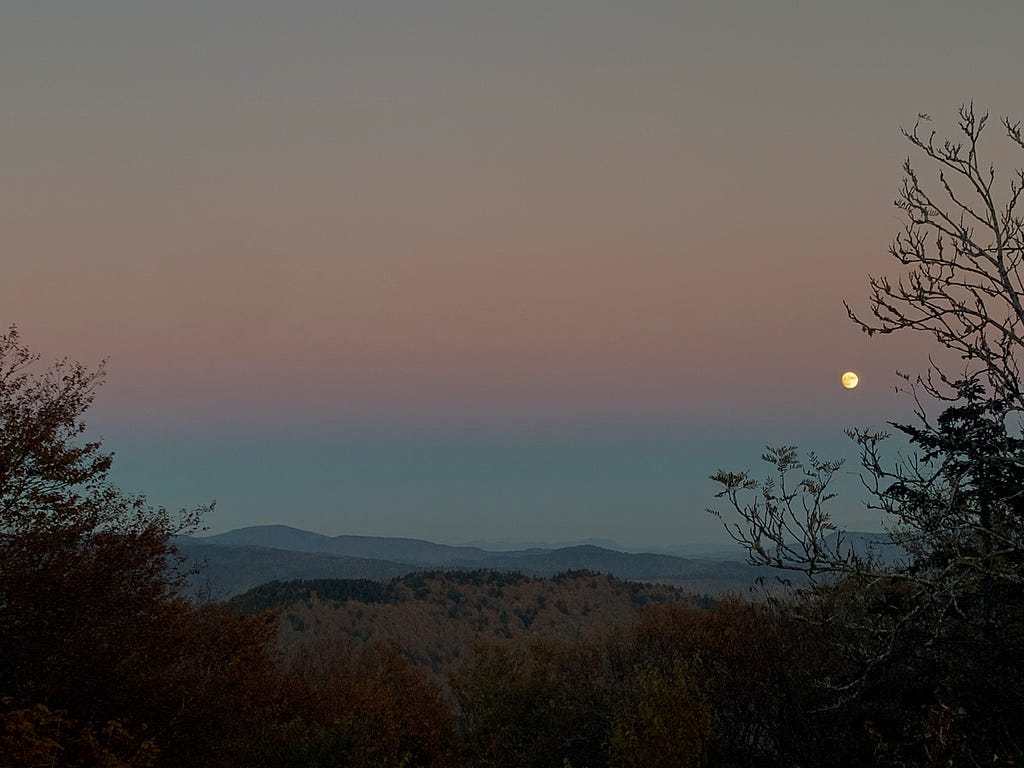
[
  {"x": 232, "y": 562},
  {"x": 718, "y": 550},
  {"x": 413, "y": 551},
  {"x": 422, "y": 551},
  {"x": 222, "y": 571}
]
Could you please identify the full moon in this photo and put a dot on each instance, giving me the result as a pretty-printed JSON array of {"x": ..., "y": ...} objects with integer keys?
[{"x": 850, "y": 379}]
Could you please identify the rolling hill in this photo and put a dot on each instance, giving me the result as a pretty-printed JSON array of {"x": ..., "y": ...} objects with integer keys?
[{"x": 232, "y": 562}]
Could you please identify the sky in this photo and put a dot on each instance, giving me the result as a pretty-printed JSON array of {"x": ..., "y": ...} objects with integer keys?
[{"x": 472, "y": 270}]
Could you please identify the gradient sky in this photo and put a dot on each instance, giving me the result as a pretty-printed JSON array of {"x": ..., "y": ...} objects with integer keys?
[{"x": 466, "y": 270}]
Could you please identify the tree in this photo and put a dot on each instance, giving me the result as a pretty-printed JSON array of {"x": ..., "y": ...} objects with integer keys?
[
  {"x": 926, "y": 641},
  {"x": 960, "y": 253},
  {"x": 665, "y": 723},
  {"x": 99, "y": 650},
  {"x": 367, "y": 707},
  {"x": 80, "y": 562},
  {"x": 734, "y": 679},
  {"x": 533, "y": 706},
  {"x": 933, "y": 624}
]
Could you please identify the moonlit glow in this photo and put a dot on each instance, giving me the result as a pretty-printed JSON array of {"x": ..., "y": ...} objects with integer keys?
[{"x": 850, "y": 379}]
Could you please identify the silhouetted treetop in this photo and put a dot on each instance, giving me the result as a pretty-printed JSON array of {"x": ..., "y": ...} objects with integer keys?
[{"x": 960, "y": 254}]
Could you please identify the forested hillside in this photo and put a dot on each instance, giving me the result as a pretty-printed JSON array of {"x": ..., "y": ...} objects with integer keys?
[{"x": 439, "y": 617}]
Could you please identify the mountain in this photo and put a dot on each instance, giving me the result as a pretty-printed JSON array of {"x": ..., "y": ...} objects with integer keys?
[
  {"x": 224, "y": 571},
  {"x": 415, "y": 551},
  {"x": 497, "y": 545},
  {"x": 714, "y": 550},
  {"x": 232, "y": 562},
  {"x": 423, "y": 552}
]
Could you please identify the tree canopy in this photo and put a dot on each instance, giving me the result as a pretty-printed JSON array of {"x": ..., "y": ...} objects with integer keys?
[{"x": 933, "y": 626}]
